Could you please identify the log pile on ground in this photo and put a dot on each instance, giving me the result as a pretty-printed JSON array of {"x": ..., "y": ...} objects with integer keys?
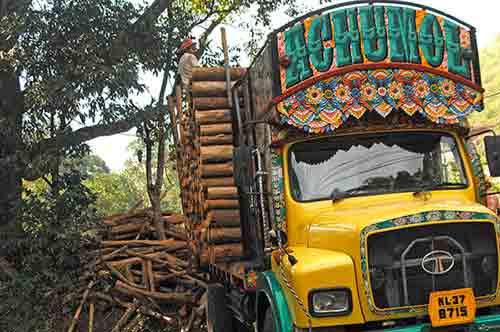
[{"x": 138, "y": 278}]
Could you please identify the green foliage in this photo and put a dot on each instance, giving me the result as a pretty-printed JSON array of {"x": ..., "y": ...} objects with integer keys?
[
  {"x": 490, "y": 76},
  {"x": 57, "y": 228},
  {"x": 118, "y": 192},
  {"x": 89, "y": 165}
]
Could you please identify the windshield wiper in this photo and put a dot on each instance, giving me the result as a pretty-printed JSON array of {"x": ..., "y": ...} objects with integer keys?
[{"x": 338, "y": 195}]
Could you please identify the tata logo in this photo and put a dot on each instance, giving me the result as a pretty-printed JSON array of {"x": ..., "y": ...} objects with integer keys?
[{"x": 438, "y": 262}]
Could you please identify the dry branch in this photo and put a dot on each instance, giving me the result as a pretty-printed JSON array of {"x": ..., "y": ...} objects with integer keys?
[{"x": 169, "y": 297}]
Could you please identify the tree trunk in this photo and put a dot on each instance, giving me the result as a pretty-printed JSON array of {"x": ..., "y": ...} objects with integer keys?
[{"x": 11, "y": 109}]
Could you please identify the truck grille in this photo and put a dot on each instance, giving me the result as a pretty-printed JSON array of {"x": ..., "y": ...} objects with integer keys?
[{"x": 407, "y": 264}]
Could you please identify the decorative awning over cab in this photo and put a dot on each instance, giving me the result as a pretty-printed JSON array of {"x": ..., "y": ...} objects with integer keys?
[{"x": 372, "y": 56}]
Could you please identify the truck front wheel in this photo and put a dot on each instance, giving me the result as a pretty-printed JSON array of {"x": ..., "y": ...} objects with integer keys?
[{"x": 269, "y": 325}]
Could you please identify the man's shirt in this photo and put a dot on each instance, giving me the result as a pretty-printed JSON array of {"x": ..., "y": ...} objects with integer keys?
[{"x": 186, "y": 64}]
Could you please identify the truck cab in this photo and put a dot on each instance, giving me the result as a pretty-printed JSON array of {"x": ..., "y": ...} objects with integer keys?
[
  {"x": 375, "y": 197},
  {"x": 347, "y": 193},
  {"x": 378, "y": 220}
]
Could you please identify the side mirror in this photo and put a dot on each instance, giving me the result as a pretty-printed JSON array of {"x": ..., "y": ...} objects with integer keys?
[{"x": 492, "y": 148}]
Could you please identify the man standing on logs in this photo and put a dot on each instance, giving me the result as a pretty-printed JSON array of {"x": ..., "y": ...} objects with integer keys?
[{"x": 187, "y": 62}]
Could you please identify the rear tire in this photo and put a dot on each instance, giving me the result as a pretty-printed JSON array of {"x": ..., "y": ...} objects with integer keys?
[
  {"x": 219, "y": 318},
  {"x": 269, "y": 325}
]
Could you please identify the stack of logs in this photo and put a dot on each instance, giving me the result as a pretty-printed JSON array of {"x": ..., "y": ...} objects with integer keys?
[
  {"x": 140, "y": 278},
  {"x": 207, "y": 120},
  {"x": 159, "y": 279}
]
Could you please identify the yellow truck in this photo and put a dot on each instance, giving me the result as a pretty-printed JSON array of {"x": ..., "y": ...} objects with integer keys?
[{"x": 334, "y": 185}]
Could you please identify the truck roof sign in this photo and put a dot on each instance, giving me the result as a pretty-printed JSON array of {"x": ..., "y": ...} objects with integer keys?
[
  {"x": 382, "y": 35},
  {"x": 360, "y": 57}
]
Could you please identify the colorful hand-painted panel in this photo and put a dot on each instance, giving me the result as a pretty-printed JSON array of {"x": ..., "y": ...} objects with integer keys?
[
  {"x": 278, "y": 188},
  {"x": 424, "y": 217},
  {"x": 372, "y": 34},
  {"x": 327, "y": 104}
]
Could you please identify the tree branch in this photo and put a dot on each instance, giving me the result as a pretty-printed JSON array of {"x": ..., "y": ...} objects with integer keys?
[
  {"x": 85, "y": 134},
  {"x": 142, "y": 24},
  {"x": 203, "y": 40}
]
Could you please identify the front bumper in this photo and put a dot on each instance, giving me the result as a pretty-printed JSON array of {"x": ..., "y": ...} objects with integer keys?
[{"x": 487, "y": 323}]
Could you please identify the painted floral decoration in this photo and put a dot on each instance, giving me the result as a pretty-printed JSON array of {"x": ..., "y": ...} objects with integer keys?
[{"x": 327, "y": 104}]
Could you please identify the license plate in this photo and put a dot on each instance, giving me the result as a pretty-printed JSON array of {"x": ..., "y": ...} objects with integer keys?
[{"x": 452, "y": 307}]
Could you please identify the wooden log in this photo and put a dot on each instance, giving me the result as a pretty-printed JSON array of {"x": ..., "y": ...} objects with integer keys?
[
  {"x": 221, "y": 253},
  {"x": 217, "y": 139},
  {"x": 223, "y": 235},
  {"x": 209, "y": 89},
  {"x": 150, "y": 275},
  {"x": 219, "y": 182},
  {"x": 222, "y": 192},
  {"x": 225, "y": 216},
  {"x": 213, "y": 116},
  {"x": 225, "y": 250},
  {"x": 216, "y": 153},
  {"x": 120, "y": 253},
  {"x": 123, "y": 320},
  {"x": 127, "y": 228},
  {"x": 213, "y": 170},
  {"x": 118, "y": 275},
  {"x": 216, "y": 129},
  {"x": 165, "y": 243},
  {"x": 76, "y": 316},
  {"x": 125, "y": 218},
  {"x": 174, "y": 219},
  {"x": 216, "y": 73},
  {"x": 174, "y": 261},
  {"x": 222, "y": 204},
  {"x": 125, "y": 236},
  {"x": 210, "y": 103},
  {"x": 91, "y": 316},
  {"x": 160, "y": 276},
  {"x": 137, "y": 259},
  {"x": 176, "y": 235}
]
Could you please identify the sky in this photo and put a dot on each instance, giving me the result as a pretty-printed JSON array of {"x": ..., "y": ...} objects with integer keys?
[{"x": 483, "y": 14}]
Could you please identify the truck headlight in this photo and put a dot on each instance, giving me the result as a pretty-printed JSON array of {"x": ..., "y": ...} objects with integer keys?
[{"x": 330, "y": 302}]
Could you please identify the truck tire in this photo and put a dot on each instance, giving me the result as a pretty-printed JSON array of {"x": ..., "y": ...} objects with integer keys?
[
  {"x": 219, "y": 318},
  {"x": 268, "y": 325}
]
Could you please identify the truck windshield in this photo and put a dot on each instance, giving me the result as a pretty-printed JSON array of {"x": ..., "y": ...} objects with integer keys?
[{"x": 374, "y": 164}]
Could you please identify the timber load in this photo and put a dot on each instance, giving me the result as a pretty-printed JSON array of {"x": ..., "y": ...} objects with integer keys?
[
  {"x": 134, "y": 277},
  {"x": 204, "y": 140}
]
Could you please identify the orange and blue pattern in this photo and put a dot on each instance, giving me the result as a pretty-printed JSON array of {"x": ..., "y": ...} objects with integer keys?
[{"x": 327, "y": 104}]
